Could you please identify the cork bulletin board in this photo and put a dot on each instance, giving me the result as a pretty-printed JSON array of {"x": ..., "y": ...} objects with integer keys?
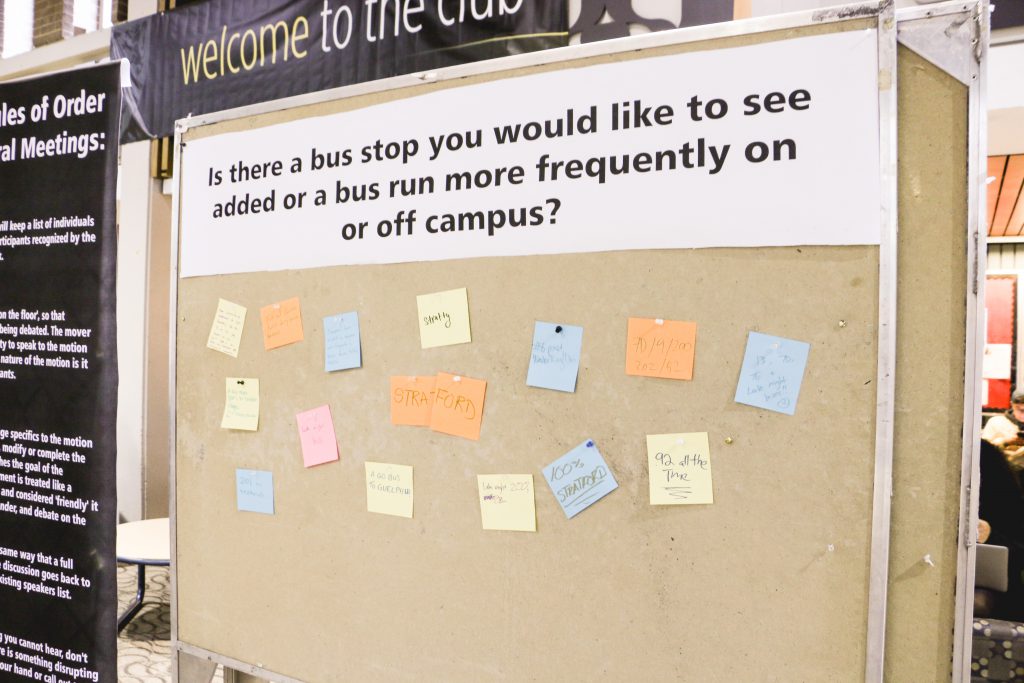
[{"x": 769, "y": 582}]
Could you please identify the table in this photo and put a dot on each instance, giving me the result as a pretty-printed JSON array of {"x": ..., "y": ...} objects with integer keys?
[{"x": 144, "y": 543}]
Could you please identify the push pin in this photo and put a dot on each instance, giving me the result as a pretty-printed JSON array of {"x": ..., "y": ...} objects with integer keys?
[
  {"x": 457, "y": 378},
  {"x": 590, "y": 444},
  {"x": 558, "y": 329},
  {"x": 842, "y": 323},
  {"x": 728, "y": 439},
  {"x": 659, "y": 321}
]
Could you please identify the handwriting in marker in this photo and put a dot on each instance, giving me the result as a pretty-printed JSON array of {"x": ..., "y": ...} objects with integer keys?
[{"x": 679, "y": 469}]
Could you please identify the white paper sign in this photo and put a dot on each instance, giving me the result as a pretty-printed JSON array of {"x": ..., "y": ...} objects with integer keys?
[
  {"x": 996, "y": 361},
  {"x": 769, "y": 144}
]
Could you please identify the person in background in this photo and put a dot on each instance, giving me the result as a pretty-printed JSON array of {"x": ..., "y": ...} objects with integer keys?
[
  {"x": 1004, "y": 430},
  {"x": 1001, "y": 505}
]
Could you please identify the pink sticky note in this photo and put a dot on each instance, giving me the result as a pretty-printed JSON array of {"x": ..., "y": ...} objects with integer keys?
[{"x": 316, "y": 434}]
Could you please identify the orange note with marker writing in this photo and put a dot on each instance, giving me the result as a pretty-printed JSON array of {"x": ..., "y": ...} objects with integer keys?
[
  {"x": 458, "y": 405},
  {"x": 282, "y": 323},
  {"x": 660, "y": 348},
  {"x": 412, "y": 400}
]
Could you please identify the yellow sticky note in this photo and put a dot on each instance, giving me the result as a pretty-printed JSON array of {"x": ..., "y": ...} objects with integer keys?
[
  {"x": 242, "y": 404},
  {"x": 412, "y": 400},
  {"x": 660, "y": 348},
  {"x": 444, "y": 318},
  {"x": 282, "y": 323},
  {"x": 226, "y": 331},
  {"x": 679, "y": 469},
  {"x": 458, "y": 405},
  {"x": 506, "y": 502},
  {"x": 389, "y": 489}
]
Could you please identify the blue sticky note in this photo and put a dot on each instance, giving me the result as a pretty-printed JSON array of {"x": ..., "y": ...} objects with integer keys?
[
  {"x": 555, "y": 358},
  {"x": 255, "y": 491},
  {"x": 580, "y": 478},
  {"x": 773, "y": 368},
  {"x": 341, "y": 342}
]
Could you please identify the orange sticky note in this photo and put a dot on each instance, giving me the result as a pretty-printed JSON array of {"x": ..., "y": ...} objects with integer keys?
[
  {"x": 412, "y": 399},
  {"x": 458, "y": 405},
  {"x": 282, "y": 323},
  {"x": 660, "y": 348}
]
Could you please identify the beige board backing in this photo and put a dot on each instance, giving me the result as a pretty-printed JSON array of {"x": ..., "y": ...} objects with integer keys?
[
  {"x": 931, "y": 348},
  {"x": 768, "y": 583}
]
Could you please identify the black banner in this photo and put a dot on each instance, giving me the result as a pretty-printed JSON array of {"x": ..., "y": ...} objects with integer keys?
[
  {"x": 210, "y": 56},
  {"x": 1007, "y": 14},
  {"x": 58, "y": 377}
]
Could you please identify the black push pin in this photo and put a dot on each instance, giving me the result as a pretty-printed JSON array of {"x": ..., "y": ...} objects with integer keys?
[
  {"x": 590, "y": 444},
  {"x": 558, "y": 329},
  {"x": 242, "y": 382}
]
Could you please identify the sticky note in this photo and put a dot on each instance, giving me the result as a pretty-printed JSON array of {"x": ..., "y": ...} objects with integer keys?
[
  {"x": 507, "y": 502},
  {"x": 316, "y": 434},
  {"x": 458, "y": 405},
  {"x": 282, "y": 323},
  {"x": 773, "y": 369},
  {"x": 389, "y": 489},
  {"x": 679, "y": 469},
  {"x": 254, "y": 491},
  {"x": 412, "y": 400},
  {"x": 660, "y": 348},
  {"x": 555, "y": 357},
  {"x": 226, "y": 331},
  {"x": 444, "y": 318},
  {"x": 241, "y": 404},
  {"x": 580, "y": 478},
  {"x": 342, "y": 350}
]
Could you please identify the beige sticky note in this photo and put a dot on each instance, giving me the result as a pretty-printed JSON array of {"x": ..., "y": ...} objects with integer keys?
[
  {"x": 226, "y": 331},
  {"x": 679, "y": 469},
  {"x": 506, "y": 502},
  {"x": 282, "y": 323},
  {"x": 389, "y": 489},
  {"x": 242, "y": 404},
  {"x": 444, "y": 318}
]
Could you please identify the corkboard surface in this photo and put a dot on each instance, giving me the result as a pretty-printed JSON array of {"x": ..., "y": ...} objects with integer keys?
[{"x": 624, "y": 590}]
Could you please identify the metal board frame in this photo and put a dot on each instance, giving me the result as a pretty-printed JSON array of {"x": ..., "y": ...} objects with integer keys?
[
  {"x": 954, "y": 37},
  {"x": 883, "y": 14}
]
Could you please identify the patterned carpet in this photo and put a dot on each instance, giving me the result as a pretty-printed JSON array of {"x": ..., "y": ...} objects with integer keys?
[{"x": 144, "y": 647}]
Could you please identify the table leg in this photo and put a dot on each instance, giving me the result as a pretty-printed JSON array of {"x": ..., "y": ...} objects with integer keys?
[{"x": 134, "y": 608}]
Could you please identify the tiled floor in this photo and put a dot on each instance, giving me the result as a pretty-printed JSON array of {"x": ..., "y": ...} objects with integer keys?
[{"x": 144, "y": 646}]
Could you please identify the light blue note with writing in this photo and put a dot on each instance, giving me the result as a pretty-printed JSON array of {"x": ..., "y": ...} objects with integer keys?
[
  {"x": 580, "y": 478},
  {"x": 341, "y": 342},
  {"x": 773, "y": 368},
  {"x": 255, "y": 491},
  {"x": 555, "y": 357}
]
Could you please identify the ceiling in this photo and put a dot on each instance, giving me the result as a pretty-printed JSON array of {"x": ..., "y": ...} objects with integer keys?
[{"x": 1005, "y": 199}]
